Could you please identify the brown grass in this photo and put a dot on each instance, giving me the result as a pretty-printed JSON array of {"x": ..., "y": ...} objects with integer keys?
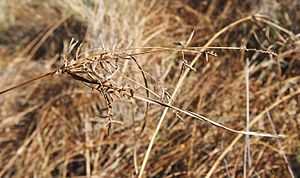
[{"x": 130, "y": 98}]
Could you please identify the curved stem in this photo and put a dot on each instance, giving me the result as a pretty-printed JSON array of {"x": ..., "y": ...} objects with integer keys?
[{"x": 178, "y": 86}]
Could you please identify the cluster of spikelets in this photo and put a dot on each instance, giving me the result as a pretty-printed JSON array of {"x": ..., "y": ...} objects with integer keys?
[{"x": 97, "y": 70}]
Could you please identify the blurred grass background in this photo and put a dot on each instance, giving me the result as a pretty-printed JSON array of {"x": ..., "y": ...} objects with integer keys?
[{"x": 52, "y": 128}]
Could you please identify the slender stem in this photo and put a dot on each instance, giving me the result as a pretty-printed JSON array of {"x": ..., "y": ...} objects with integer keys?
[
  {"x": 247, "y": 137},
  {"x": 178, "y": 86},
  {"x": 27, "y": 82}
]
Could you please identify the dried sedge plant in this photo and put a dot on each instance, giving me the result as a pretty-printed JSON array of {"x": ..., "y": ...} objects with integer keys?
[
  {"x": 97, "y": 69},
  {"x": 195, "y": 136}
]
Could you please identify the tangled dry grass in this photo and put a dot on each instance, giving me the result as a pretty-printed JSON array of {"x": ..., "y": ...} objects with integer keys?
[{"x": 109, "y": 115}]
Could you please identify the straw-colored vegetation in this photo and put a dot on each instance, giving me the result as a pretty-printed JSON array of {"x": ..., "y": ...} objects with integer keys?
[{"x": 150, "y": 88}]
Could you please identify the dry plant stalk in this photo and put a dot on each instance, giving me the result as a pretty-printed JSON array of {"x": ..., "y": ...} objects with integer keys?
[{"x": 97, "y": 71}]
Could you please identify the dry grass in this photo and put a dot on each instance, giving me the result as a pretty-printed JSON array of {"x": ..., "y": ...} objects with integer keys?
[{"x": 141, "y": 92}]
